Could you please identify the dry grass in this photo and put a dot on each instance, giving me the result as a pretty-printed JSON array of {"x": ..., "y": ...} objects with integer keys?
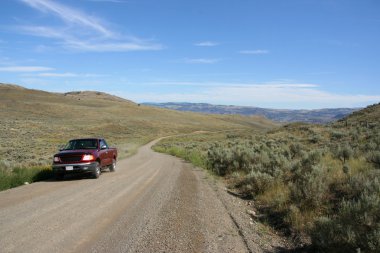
[{"x": 34, "y": 123}]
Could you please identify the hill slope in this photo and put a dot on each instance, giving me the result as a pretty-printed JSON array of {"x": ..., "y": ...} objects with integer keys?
[
  {"x": 369, "y": 115},
  {"x": 313, "y": 182},
  {"x": 33, "y": 123},
  {"x": 308, "y": 116}
]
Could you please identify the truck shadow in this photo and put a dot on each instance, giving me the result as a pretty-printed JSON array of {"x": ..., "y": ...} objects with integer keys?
[{"x": 48, "y": 176}]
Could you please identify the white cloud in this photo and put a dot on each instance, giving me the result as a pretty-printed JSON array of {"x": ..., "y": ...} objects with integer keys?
[
  {"x": 257, "y": 51},
  {"x": 280, "y": 95},
  {"x": 69, "y": 15},
  {"x": 57, "y": 74},
  {"x": 235, "y": 85},
  {"x": 291, "y": 96},
  {"x": 83, "y": 32},
  {"x": 206, "y": 44},
  {"x": 24, "y": 69},
  {"x": 44, "y": 31},
  {"x": 111, "y": 46},
  {"x": 67, "y": 74},
  {"x": 202, "y": 61}
]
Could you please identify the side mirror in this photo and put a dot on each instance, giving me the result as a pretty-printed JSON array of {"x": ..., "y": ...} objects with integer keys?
[
  {"x": 61, "y": 147},
  {"x": 103, "y": 147}
]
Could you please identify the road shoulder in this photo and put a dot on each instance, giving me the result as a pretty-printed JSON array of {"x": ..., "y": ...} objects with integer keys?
[{"x": 257, "y": 237}]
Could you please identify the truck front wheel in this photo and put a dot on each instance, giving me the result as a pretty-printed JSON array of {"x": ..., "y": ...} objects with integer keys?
[
  {"x": 113, "y": 165},
  {"x": 96, "y": 173}
]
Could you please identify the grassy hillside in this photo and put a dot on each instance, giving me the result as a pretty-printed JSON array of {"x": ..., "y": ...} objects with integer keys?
[
  {"x": 34, "y": 123},
  {"x": 318, "y": 184}
]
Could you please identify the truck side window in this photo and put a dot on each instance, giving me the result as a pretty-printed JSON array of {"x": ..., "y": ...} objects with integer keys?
[
  {"x": 102, "y": 143},
  {"x": 105, "y": 143}
]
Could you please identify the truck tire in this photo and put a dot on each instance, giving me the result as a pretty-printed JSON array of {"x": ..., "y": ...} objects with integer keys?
[
  {"x": 97, "y": 171},
  {"x": 113, "y": 165}
]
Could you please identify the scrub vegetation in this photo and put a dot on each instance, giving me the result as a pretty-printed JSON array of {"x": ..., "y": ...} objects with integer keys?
[
  {"x": 319, "y": 184},
  {"x": 14, "y": 177}
]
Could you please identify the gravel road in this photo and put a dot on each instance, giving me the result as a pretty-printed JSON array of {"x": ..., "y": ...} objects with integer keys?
[{"x": 152, "y": 203}]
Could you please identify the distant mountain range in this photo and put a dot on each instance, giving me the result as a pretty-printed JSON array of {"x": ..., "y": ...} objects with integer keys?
[{"x": 320, "y": 116}]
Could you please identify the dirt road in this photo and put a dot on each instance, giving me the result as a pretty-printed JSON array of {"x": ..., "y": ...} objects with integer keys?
[{"x": 152, "y": 203}]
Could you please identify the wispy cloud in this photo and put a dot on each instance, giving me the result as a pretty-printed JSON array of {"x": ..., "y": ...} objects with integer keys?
[
  {"x": 69, "y": 15},
  {"x": 257, "y": 51},
  {"x": 66, "y": 74},
  {"x": 43, "y": 31},
  {"x": 57, "y": 75},
  {"x": 206, "y": 44},
  {"x": 83, "y": 32},
  {"x": 24, "y": 69},
  {"x": 202, "y": 61},
  {"x": 111, "y": 46}
]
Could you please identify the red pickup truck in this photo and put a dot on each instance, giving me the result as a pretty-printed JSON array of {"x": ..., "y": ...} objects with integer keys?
[{"x": 90, "y": 155}]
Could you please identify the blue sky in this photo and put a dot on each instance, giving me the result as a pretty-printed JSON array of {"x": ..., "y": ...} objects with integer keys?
[{"x": 267, "y": 53}]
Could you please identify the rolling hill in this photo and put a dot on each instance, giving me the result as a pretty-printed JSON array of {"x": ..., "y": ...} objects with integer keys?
[
  {"x": 281, "y": 115},
  {"x": 34, "y": 123}
]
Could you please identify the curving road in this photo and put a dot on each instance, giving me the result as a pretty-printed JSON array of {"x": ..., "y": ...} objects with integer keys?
[{"x": 152, "y": 203}]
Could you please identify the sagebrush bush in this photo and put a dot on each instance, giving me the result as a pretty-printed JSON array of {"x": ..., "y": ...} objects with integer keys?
[
  {"x": 259, "y": 182},
  {"x": 294, "y": 218},
  {"x": 310, "y": 187},
  {"x": 219, "y": 160},
  {"x": 337, "y": 135},
  {"x": 357, "y": 222},
  {"x": 296, "y": 150},
  {"x": 343, "y": 153},
  {"x": 374, "y": 158}
]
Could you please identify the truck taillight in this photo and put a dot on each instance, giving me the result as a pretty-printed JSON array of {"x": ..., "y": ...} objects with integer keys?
[
  {"x": 87, "y": 158},
  {"x": 56, "y": 159}
]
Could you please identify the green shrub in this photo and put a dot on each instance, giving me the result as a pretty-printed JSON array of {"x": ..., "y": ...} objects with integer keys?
[
  {"x": 18, "y": 176},
  {"x": 337, "y": 135},
  {"x": 346, "y": 169},
  {"x": 343, "y": 153},
  {"x": 315, "y": 138},
  {"x": 374, "y": 158},
  {"x": 223, "y": 160},
  {"x": 310, "y": 188},
  {"x": 296, "y": 150},
  {"x": 294, "y": 218},
  {"x": 219, "y": 160},
  {"x": 357, "y": 223},
  {"x": 259, "y": 182}
]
